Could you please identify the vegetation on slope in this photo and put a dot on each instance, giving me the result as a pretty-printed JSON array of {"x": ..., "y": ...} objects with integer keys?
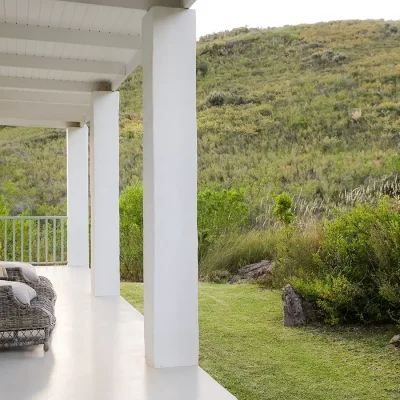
[{"x": 310, "y": 109}]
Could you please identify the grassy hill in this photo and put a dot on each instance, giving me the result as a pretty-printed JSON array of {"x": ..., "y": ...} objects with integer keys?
[{"x": 310, "y": 109}]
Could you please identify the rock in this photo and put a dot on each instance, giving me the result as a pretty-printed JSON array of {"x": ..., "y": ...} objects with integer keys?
[
  {"x": 395, "y": 342},
  {"x": 256, "y": 271},
  {"x": 296, "y": 310}
]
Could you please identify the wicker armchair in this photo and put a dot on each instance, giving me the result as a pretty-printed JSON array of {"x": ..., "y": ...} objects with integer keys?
[
  {"x": 43, "y": 287},
  {"x": 25, "y": 324}
]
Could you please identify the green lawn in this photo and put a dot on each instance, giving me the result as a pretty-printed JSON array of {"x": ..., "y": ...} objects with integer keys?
[{"x": 245, "y": 347}]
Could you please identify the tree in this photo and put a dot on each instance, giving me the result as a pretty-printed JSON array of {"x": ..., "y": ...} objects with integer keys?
[{"x": 283, "y": 208}]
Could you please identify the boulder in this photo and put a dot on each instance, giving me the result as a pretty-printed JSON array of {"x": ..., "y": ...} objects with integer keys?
[
  {"x": 296, "y": 311},
  {"x": 259, "y": 270},
  {"x": 395, "y": 342}
]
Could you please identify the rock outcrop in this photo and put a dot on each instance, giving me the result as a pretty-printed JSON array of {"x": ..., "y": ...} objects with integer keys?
[
  {"x": 296, "y": 311},
  {"x": 256, "y": 271},
  {"x": 395, "y": 342}
]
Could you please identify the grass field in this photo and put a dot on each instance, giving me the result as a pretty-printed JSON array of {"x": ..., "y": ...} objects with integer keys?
[{"x": 245, "y": 347}]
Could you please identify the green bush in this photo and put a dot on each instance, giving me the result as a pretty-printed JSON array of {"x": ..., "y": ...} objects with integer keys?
[
  {"x": 216, "y": 99},
  {"x": 220, "y": 212},
  {"x": 328, "y": 57},
  {"x": 3, "y": 207},
  {"x": 131, "y": 233},
  {"x": 202, "y": 68},
  {"x": 363, "y": 245},
  {"x": 283, "y": 208},
  {"x": 333, "y": 295}
]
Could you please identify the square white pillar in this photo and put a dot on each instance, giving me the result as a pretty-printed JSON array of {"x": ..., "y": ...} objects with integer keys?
[
  {"x": 170, "y": 188},
  {"x": 104, "y": 190},
  {"x": 78, "y": 196}
]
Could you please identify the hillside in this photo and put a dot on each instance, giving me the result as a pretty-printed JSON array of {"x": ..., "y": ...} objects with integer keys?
[{"x": 310, "y": 109}]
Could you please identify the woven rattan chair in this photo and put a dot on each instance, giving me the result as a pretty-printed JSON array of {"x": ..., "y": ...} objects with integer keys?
[
  {"x": 43, "y": 287},
  {"x": 25, "y": 324}
]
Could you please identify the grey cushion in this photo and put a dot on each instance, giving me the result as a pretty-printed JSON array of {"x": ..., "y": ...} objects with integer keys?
[
  {"x": 22, "y": 292},
  {"x": 3, "y": 272},
  {"x": 28, "y": 269}
]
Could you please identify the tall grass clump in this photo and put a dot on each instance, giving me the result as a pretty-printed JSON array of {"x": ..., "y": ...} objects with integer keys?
[
  {"x": 231, "y": 252},
  {"x": 297, "y": 253}
]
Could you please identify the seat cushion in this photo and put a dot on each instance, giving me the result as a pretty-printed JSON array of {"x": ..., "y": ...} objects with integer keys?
[
  {"x": 3, "y": 272},
  {"x": 28, "y": 269},
  {"x": 24, "y": 293}
]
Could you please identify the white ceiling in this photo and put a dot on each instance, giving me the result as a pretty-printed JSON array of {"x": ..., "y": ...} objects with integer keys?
[{"x": 53, "y": 48}]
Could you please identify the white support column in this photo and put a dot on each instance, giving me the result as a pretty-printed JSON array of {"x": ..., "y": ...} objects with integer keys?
[
  {"x": 170, "y": 188},
  {"x": 104, "y": 189},
  {"x": 78, "y": 197}
]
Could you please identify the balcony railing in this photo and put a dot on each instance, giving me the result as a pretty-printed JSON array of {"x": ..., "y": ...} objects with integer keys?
[{"x": 38, "y": 240}]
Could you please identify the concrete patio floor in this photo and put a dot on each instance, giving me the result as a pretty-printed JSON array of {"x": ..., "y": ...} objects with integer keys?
[{"x": 96, "y": 352}]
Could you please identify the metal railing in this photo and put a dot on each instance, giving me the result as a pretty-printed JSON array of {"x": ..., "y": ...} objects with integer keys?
[{"x": 38, "y": 240}]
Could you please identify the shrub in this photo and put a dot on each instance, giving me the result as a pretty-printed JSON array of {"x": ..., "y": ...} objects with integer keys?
[
  {"x": 216, "y": 99},
  {"x": 390, "y": 29},
  {"x": 328, "y": 57},
  {"x": 202, "y": 68},
  {"x": 348, "y": 266},
  {"x": 334, "y": 296},
  {"x": 329, "y": 54},
  {"x": 131, "y": 233},
  {"x": 3, "y": 207},
  {"x": 283, "y": 208},
  {"x": 220, "y": 212},
  {"x": 347, "y": 244},
  {"x": 363, "y": 246},
  {"x": 338, "y": 58}
]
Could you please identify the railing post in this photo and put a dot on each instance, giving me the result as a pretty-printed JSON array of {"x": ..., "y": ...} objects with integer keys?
[
  {"x": 62, "y": 240},
  {"x": 38, "y": 242},
  {"x": 22, "y": 239},
  {"x": 5, "y": 240},
  {"x": 30, "y": 240},
  {"x": 54, "y": 240},
  {"x": 13, "y": 239},
  {"x": 46, "y": 240}
]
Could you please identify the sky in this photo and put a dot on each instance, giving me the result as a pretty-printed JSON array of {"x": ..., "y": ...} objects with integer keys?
[{"x": 219, "y": 15}]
